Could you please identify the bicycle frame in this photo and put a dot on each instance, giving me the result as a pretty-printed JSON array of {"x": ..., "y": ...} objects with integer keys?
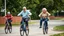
[
  {"x": 7, "y": 27},
  {"x": 23, "y": 29}
]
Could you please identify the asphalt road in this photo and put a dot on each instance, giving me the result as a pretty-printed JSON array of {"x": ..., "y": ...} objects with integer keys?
[{"x": 34, "y": 29}]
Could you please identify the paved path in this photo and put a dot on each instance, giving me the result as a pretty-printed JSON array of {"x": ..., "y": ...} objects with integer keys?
[{"x": 34, "y": 29}]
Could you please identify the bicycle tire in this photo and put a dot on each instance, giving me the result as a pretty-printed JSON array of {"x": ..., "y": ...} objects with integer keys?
[
  {"x": 6, "y": 29},
  {"x": 45, "y": 30},
  {"x": 21, "y": 33},
  {"x": 27, "y": 32},
  {"x": 10, "y": 30}
]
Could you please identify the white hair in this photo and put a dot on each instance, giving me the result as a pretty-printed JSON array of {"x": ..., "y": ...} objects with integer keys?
[
  {"x": 8, "y": 12},
  {"x": 44, "y": 9},
  {"x": 24, "y": 7}
]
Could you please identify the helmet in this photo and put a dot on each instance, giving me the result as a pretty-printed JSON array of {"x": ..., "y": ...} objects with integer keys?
[{"x": 8, "y": 12}]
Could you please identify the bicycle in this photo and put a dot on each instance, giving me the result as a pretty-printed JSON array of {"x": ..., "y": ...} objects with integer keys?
[
  {"x": 24, "y": 30},
  {"x": 45, "y": 29},
  {"x": 8, "y": 28}
]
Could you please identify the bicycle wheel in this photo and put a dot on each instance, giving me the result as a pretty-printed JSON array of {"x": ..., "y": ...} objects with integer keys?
[
  {"x": 27, "y": 32},
  {"x": 46, "y": 30},
  {"x": 43, "y": 30},
  {"x": 6, "y": 29},
  {"x": 10, "y": 29},
  {"x": 21, "y": 33}
]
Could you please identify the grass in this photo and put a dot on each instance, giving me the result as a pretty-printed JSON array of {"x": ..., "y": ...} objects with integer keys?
[
  {"x": 17, "y": 24},
  {"x": 59, "y": 18},
  {"x": 62, "y": 19},
  {"x": 1, "y": 25},
  {"x": 60, "y": 34},
  {"x": 59, "y": 28}
]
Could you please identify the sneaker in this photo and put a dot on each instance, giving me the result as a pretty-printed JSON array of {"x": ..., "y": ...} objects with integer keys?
[
  {"x": 40, "y": 27},
  {"x": 44, "y": 33}
]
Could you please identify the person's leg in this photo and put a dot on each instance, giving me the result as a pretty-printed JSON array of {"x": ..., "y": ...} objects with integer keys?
[
  {"x": 26, "y": 21},
  {"x": 22, "y": 23},
  {"x": 41, "y": 22},
  {"x": 9, "y": 21}
]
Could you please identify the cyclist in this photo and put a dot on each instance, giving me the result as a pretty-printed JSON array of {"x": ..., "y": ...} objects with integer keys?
[
  {"x": 44, "y": 16},
  {"x": 25, "y": 16},
  {"x": 8, "y": 18}
]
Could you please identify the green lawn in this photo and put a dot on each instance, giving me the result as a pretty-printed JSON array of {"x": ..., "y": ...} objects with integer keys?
[
  {"x": 58, "y": 28},
  {"x": 1, "y": 25},
  {"x": 17, "y": 24},
  {"x": 59, "y": 18},
  {"x": 60, "y": 34}
]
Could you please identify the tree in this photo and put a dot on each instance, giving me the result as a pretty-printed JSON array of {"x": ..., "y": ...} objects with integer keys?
[{"x": 15, "y": 6}]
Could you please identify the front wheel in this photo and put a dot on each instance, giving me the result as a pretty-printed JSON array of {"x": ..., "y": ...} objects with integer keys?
[
  {"x": 21, "y": 33},
  {"x": 10, "y": 29},
  {"x": 45, "y": 30},
  {"x": 27, "y": 32},
  {"x": 6, "y": 29}
]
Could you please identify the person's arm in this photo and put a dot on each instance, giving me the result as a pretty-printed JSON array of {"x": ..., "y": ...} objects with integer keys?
[
  {"x": 20, "y": 14},
  {"x": 48, "y": 13},
  {"x": 29, "y": 13},
  {"x": 5, "y": 17},
  {"x": 11, "y": 16},
  {"x": 40, "y": 14}
]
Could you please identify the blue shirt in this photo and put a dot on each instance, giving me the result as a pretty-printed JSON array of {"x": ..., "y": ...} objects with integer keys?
[{"x": 24, "y": 14}]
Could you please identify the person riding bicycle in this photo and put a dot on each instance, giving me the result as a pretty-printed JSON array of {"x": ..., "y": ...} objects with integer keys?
[
  {"x": 8, "y": 18},
  {"x": 25, "y": 16},
  {"x": 44, "y": 16}
]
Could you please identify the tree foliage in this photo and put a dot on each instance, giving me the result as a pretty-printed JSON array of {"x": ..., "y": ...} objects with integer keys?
[{"x": 15, "y": 6}]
